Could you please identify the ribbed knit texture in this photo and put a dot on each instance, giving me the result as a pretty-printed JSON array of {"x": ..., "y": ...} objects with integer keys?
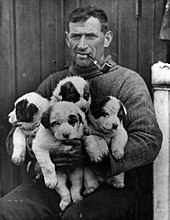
[{"x": 144, "y": 135}]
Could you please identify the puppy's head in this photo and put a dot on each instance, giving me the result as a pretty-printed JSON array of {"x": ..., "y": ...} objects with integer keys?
[
  {"x": 73, "y": 89},
  {"x": 65, "y": 120},
  {"x": 28, "y": 108},
  {"x": 107, "y": 114}
]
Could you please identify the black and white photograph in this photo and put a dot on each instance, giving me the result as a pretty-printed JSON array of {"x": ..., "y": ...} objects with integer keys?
[{"x": 84, "y": 109}]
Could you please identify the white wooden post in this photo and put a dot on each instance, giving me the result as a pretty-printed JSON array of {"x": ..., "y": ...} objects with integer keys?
[{"x": 161, "y": 89}]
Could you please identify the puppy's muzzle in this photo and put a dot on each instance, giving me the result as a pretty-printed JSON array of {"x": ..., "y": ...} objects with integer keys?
[
  {"x": 114, "y": 126},
  {"x": 66, "y": 135}
]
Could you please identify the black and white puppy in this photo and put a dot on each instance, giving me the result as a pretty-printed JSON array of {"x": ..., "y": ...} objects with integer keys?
[
  {"x": 73, "y": 89},
  {"x": 106, "y": 120},
  {"x": 63, "y": 121},
  {"x": 26, "y": 115}
]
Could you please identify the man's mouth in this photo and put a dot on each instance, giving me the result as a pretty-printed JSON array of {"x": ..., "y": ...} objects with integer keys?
[{"x": 83, "y": 55}]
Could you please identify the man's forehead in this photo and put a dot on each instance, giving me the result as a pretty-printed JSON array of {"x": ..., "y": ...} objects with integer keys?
[{"x": 91, "y": 25}]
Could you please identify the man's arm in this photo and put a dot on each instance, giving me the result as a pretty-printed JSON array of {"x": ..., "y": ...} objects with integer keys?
[
  {"x": 47, "y": 87},
  {"x": 144, "y": 135}
]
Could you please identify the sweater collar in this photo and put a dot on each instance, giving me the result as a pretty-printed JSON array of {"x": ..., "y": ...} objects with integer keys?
[{"x": 91, "y": 71}]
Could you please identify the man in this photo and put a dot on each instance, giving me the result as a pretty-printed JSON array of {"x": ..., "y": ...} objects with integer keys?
[{"x": 87, "y": 36}]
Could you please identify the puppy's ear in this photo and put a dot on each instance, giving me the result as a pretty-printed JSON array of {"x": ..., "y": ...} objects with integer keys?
[
  {"x": 80, "y": 118},
  {"x": 45, "y": 119},
  {"x": 122, "y": 112}
]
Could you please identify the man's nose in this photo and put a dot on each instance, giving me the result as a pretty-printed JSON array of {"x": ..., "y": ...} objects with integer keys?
[{"x": 82, "y": 43}]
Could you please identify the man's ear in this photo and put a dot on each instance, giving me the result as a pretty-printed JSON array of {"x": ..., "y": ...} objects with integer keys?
[
  {"x": 108, "y": 38},
  {"x": 67, "y": 39}
]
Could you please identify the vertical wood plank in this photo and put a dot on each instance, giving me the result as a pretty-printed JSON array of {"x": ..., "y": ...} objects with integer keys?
[
  {"x": 145, "y": 40},
  {"x": 28, "y": 68},
  {"x": 7, "y": 91},
  {"x": 27, "y": 45},
  {"x": 127, "y": 26},
  {"x": 160, "y": 46},
  {"x": 52, "y": 37},
  {"x": 68, "y": 8}
]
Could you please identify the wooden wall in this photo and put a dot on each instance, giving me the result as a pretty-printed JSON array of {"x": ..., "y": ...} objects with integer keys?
[{"x": 32, "y": 46}]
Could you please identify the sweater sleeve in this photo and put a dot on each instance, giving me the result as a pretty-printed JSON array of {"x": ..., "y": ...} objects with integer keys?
[
  {"x": 144, "y": 134},
  {"x": 47, "y": 87}
]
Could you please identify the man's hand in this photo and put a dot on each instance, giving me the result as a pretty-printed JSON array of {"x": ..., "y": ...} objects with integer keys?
[{"x": 70, "y": 153}]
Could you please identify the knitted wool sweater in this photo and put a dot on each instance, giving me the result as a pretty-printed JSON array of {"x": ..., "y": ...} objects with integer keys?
[{"x": 144, "y": 135}]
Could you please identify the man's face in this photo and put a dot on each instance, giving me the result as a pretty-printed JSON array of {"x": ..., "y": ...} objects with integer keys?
[{"x": 86, "y": 38}]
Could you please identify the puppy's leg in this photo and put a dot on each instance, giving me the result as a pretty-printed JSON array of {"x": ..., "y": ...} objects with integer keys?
[
  {"x": 102, "y": 145},
  {"x": 95, "y": 147},
  {"x": 62, "y": 190},
  {"x": 19, "y": 149},
  {"x": 118, "y": 143},
  {"x": 117, "y": 181},
  {"x": 76, "y": 178},
  {"x": 47, "y": 167},
  {"x": 90, "y": 181}
]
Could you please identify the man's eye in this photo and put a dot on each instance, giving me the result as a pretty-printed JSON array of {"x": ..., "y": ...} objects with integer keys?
[
  {"x": 90, "y": 36},
  {"x": 75, "y": 36}
]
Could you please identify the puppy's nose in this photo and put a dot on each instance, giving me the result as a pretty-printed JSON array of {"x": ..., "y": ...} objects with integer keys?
[
  {"x": 66, "y": 135},
  {"x": 114, "y": 126}
]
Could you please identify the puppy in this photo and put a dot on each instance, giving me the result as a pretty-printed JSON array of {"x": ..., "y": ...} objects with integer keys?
[
  {"x": 106, "y": 120},
  {"x": 73, "y": 89},
  {"x": 64, "y": 120},
  {"x": 26, "y": 115},
  {"x": 77, "y": 90}
]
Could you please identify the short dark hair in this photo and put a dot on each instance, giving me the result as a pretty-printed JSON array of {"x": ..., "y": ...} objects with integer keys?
[{"x": 83, "y": 13}]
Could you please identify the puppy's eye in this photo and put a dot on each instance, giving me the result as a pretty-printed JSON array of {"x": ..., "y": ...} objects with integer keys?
[
  {"x": 72, "y": 120},
  {"x": 55, "y": 123},
  {"x": 86, "y": 96},
  {"x": 106, "y": 115}
]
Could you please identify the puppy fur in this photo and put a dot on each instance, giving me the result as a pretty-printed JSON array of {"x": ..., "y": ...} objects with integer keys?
[
  {"x": 64, "y": 120},
  {"x": 106, "y": 119},
  {"x": 73, "y": 89},
  {"x": 26, "y": 115}
]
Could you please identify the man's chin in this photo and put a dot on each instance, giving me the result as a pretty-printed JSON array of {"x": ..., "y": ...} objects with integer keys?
[{"x": 83, "y": 64}]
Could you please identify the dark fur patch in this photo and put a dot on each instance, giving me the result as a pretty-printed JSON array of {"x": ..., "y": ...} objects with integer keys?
[
  {"x": 25, "y": 111},
  {"x": 121, "y": 112},
  {"x": 72, "y": 120},
  {"x": 97, "y": 107},
  {"x": 69, "y": 93},
  {"x": 45, "y": 119},
  {"x": 86, "y": 93}
]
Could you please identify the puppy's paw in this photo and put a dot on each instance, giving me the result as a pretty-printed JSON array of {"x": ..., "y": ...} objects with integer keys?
[
  {"x": 117, "y": 184},
  {"x": 95, "y": 156},
  {"x": 18, "y": 160},
  {"x": 76, "y": 196},
  {"x": 117, "y": 154},
  {"x": 102, "y": 145},
  {"x": 88, "y": 191},
  {"x": 117, "y": 181},
  {"x": 65, "y": 201},
  {"x": 91, "y": 188},
  {"x": 51, "y": 181},
  {"x": 92, "y": 149}
]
